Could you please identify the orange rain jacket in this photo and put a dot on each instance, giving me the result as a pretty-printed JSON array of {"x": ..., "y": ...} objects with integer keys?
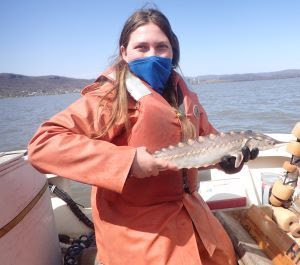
[{"x": 149, "y": 221}]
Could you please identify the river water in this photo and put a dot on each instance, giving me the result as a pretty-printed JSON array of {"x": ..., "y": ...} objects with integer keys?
[{"x": 271, "y": 106}]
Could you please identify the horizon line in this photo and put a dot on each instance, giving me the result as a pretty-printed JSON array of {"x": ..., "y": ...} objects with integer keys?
[{"x": 188, "y": 76}]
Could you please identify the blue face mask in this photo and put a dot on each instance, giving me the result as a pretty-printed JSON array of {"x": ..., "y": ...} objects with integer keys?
[{"x": 154, "y": 70}]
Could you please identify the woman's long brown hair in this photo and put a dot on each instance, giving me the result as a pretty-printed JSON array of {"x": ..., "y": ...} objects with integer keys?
[{"x": 119, "y": 111}]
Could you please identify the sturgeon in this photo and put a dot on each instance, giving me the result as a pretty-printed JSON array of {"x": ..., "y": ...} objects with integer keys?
[{"x": 209, "y": 150}]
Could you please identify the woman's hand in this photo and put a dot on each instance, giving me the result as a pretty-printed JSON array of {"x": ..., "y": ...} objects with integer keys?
[
  {"x": 227, "y": 163},
  {"x": 145, "y": 165}
]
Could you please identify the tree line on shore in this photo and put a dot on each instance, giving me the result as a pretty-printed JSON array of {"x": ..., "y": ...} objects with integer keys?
[{"x": 15, "y": 85}]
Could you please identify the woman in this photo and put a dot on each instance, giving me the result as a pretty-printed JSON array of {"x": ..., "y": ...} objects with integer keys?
[{"x": 145, "y": 211}]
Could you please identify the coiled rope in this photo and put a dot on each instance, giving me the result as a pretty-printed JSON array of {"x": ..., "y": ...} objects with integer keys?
[{"x": 74, "y": 251}]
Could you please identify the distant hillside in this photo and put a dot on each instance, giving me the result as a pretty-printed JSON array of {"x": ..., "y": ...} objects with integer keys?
[
  {"x": 14, "y": 85},
  {"x": 293, "y": 73}
]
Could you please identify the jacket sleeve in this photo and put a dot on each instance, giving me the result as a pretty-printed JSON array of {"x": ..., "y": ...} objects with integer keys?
[{"x": 65, "y": 146}]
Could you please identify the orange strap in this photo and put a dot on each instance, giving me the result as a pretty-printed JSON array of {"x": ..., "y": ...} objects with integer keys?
[{"x": 9, "y": 226}]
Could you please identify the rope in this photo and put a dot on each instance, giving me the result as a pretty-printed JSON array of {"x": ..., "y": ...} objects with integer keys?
[
  {"x": 73, "y": 205},
  {"x": 74, "y": 251}
]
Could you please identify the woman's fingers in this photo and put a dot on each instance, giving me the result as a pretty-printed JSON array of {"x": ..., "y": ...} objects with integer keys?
[
  {"x": 145, "y": 165},
  {"x": 165, "y": 165}
]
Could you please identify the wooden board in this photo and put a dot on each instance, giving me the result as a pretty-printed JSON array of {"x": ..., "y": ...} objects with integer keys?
[
  {"x": 256, "y": 237},
  {"x": 246, "y": 248}
]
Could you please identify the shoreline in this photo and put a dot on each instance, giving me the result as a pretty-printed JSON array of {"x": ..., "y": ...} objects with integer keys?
[{"x": 191, "y": 83}]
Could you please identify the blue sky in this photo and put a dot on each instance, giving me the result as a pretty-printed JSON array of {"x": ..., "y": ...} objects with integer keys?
[{"x": 77, "y": 38}]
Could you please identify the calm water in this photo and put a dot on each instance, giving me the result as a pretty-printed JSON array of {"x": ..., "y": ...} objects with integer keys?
[
  {"x": 266, "y": 106},
  {"x": 271, "y": 106}
]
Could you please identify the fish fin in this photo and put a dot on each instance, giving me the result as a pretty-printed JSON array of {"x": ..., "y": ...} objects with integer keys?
[{"x": 239, "y": 158}]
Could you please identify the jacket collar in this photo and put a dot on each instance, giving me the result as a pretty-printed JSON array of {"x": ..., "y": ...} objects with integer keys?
[{"x": 135, "y": 86}]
